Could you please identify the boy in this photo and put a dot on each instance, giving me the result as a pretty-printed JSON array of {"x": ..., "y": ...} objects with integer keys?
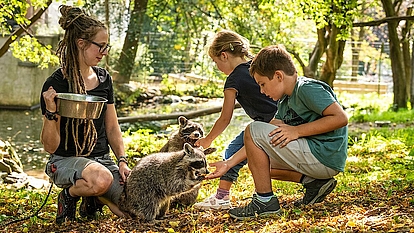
[{"x": 305, "y": 143}]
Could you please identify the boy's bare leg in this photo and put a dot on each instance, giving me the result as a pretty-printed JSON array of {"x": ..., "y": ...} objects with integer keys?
[
  {"x": 285, "y": 175},
  {"x": 258, "y": 161}
]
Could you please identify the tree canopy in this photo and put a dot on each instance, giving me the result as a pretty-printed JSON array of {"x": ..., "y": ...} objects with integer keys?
[{"x": 158, "y": 37}]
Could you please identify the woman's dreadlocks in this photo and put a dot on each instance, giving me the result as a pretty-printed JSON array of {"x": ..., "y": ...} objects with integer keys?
[{"x": 77, "y": 25}]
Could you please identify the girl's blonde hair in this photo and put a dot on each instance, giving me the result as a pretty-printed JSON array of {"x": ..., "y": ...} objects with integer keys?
[
  {"x": 230, "y": 42},
  {"x": 77, "y": 25}
]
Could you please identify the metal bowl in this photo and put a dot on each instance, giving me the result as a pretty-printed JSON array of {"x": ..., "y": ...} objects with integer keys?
[{"x": 80, "y": 106}]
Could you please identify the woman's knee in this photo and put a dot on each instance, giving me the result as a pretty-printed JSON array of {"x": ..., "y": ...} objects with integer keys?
[
  {"x": 99, "y": 177},
  {"x": 104, "y": 181}
]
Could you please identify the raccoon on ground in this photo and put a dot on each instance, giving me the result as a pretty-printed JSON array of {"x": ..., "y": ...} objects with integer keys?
[{"x": 159, "y": 177}]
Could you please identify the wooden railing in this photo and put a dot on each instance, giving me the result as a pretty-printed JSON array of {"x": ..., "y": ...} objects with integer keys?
[{"x": 360, "y": 87}]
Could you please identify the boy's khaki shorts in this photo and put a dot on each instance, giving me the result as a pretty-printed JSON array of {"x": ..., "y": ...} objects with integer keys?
[
  {"x": 295, "y": 156},
  {"x": 65, "y": 171}
]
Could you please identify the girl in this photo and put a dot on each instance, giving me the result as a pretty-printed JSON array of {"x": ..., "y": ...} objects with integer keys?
[{"x": 230, "y": 52}]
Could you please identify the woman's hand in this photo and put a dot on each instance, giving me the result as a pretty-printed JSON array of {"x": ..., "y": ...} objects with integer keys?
[
  {"x": 221, "y": 168},
  {"x": 49, "y": 97},
  {"x": 124, "y": 171}
]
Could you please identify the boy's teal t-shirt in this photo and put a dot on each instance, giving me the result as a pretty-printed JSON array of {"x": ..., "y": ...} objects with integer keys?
[{"x": 309, "y": 99}]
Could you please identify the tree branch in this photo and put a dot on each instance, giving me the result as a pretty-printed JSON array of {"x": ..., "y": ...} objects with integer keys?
[
  {"x": 159, "y": 117},
  {"x": 19, "y": 31},
  {"x": 381, "y": 21}
]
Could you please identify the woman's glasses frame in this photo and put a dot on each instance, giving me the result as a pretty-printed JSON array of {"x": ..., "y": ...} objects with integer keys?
[{"x": 102, "y": 48}]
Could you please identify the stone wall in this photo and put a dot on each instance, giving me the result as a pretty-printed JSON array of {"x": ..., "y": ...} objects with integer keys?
[{"x": 21, "y": 82}]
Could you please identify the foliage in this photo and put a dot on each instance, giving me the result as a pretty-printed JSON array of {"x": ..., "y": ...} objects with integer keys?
[
  {"x": 14, "y": 12},
  {"x": 208, "y": 90},
  {"x": 171, "y": 87},
  {"x": 13, "y": 16},
  {"x": 28, "y": 49},
  {"x": 143, "y": 142}
]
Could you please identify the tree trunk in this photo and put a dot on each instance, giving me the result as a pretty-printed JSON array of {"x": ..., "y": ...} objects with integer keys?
[
  {"x": 334, "y": 57},
  {"x": 310, "y": 71},
  {"x": 406, "y": 51},
  {"x": 109, "y": 31},
  {"x": 126, "y": 60},
  {"x": 412, "y": 78},
  {"x": 396, "y": 56}
]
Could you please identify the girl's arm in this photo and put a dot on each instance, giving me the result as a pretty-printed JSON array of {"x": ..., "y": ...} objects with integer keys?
[{"x": 223, "y": 121}]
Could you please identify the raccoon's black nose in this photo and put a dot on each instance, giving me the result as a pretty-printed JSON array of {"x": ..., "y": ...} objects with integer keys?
[{"x": 197, "y": 134}]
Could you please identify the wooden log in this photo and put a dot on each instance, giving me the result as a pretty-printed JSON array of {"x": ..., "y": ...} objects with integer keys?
[{"x": 160, "y": 117}]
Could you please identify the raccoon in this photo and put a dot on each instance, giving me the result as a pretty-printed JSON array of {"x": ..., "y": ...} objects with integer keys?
[
  {"x": 189, "y": 132},
  {"x": 159, "y": 177}
]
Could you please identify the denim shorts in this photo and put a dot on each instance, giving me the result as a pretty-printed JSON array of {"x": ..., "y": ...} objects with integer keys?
[
  {"x": 235, "y": 145},
  {"x": 65, "y": 171},
  {"x": 295, "y": 156}
]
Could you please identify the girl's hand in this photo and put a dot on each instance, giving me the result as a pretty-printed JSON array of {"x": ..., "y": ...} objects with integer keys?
[
  {"x": 221, "y": 169},
  {"x": 204, "y": 142}
]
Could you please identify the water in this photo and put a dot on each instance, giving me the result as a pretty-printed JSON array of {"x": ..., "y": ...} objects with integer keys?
[{"x": 22, "y": 129}]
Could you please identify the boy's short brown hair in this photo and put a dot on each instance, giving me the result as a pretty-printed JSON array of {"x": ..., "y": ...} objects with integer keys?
[{"x": 270, "y": 59}]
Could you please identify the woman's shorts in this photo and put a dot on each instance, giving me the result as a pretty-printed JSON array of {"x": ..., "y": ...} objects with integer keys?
[{"x": 65, "y": 171}]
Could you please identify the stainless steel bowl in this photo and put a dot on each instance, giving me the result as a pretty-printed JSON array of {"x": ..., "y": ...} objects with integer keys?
[{"x": 80, "y": 106}]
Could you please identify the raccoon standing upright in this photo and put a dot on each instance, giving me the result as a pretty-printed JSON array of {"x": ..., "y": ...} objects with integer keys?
[
  {"x": 159, "y": 177},
  {"x": 189, "y": 132}
]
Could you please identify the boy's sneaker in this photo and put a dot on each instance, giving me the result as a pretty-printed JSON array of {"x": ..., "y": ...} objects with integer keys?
[
  {"x": 90, "y": 208},
  {"x": 213, "y": 203},
  {"x": 256, "y": 208},
  {"x": 66, "y": 207},
  {"x": 316, "y": 191}
]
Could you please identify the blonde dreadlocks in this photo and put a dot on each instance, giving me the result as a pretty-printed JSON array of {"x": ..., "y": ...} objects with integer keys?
[{"x": 77, "y": 25}]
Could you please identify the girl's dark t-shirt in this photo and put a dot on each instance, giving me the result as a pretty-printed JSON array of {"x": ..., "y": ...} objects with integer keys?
[
  {"x": 257, "y": 106},
  {"x": 104, "y": 89}
]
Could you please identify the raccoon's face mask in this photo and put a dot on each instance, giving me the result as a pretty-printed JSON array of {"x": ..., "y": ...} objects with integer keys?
[{"x": 198, "y": 169}]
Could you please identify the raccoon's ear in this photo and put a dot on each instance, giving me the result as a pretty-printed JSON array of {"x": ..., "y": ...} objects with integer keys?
[
  {"x": 188, "y": 149},
  {"x": 182, "y": 120},
  {"x": 210, "y": 150}
]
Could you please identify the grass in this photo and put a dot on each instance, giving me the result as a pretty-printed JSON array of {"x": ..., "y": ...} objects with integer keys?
[{"x": 374, "y": 194}]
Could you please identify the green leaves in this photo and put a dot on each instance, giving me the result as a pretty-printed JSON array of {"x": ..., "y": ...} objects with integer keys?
[
  {"x": 16, "y": 10},
  {"x": 29, "y": 49}
]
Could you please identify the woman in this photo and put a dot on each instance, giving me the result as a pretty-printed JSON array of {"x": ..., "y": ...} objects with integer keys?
[{"x": 80, "y": 160}]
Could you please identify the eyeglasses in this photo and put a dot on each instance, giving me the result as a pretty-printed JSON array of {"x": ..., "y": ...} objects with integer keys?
[{"x": 102, "y": 48}]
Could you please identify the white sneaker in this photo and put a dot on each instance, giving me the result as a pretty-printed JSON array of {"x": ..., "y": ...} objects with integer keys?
[{"x": 213, "y": 203}]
